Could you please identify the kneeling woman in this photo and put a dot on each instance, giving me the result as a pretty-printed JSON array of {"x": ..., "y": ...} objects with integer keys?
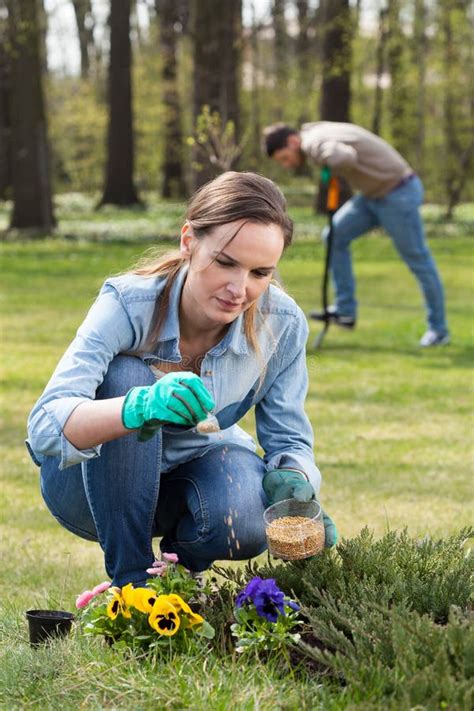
[{"x": 193, "y": 332}]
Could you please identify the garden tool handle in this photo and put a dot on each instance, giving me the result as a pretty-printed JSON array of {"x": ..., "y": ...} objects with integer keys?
[{"x": 334, "y": 194}]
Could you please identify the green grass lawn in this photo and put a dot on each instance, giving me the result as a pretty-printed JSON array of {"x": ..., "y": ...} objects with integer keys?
[{"x": 392, "y": 423}]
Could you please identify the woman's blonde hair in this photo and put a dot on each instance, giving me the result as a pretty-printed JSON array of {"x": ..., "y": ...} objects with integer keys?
[{"x": 229, "y": 197}]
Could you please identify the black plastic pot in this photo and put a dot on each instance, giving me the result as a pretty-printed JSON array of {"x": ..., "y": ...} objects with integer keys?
[{"x": 44, "y": 624}]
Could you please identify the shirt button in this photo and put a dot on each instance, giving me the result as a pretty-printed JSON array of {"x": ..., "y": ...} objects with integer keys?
[{"x": 208, "y": 373}]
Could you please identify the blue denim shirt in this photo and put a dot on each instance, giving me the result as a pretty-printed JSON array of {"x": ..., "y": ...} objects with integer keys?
[{"x": 119, "y": 321}]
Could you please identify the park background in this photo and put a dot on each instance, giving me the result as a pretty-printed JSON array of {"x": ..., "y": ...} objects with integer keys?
[{"x": 108, "y": 122}]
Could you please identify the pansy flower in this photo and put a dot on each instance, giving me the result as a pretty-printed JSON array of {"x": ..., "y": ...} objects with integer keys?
[
  {"x": 144, "y": 599},
  {"x": 182, "y": 606},
  {"x": 164, "y": 617},
  {"x": 117, "y": 605},
  {"x": 265, "y": 595}
]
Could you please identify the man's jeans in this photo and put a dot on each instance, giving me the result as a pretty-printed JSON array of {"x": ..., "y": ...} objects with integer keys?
[
  {"x": 398, "y": 212},
  {"x": 208, "y": 509}
]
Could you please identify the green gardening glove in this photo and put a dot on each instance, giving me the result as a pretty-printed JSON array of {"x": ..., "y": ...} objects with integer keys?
[
  {"x": 280, "y": 484},
  {"x": 177, "y": 398},
  {"x": 330, "y": 531}
]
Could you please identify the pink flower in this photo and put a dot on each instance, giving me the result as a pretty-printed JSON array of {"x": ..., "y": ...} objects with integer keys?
[
  {"x": 170, "y": 557},
  {"x": 156, "y": 571},
  {"x": 101, "y": 587},
  {"x": 160, "y": 564},
  {"x": 84, "y": 598}
]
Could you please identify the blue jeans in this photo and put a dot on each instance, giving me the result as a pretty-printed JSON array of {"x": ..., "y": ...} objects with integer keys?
[
  {"x": 210, "y": 508},
  {"x": 398, "y": 212}
]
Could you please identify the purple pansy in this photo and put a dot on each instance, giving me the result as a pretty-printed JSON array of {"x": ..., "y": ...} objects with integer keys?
[{"x": 267, "y": 597}]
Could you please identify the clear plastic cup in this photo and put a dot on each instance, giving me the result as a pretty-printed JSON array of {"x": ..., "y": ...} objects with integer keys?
[{"x": 294, "y": 529}]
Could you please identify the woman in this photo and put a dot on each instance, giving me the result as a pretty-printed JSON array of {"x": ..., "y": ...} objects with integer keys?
[{"x": 197, "y": 331}]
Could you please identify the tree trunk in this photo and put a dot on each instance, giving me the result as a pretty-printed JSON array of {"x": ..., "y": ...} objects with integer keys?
[
  {"x": 255, "y": 110},
  {"x": 173, "y": 176},
  {"x": 85, "y": 32},
  {"x": 5, "y": 127},
  {"x": 336, "y": 79},
  {"x": 399, "y": 100},
  {"x": 458, "y": 113},
  {"x": 379, "y": 70},
  {"x": 421, "y": 49},
  {"x": 304, "y": 57},
  {"x": 32, "y": 203},
  {"x": 280, "y": 52},
  {"x": 337, "y": 61},
  {"x": 216, "y": 33},
  {"x": 119, "y": 186}
]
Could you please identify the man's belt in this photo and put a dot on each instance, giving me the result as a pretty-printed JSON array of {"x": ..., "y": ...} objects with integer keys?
[{"x": 403, "y": 181}]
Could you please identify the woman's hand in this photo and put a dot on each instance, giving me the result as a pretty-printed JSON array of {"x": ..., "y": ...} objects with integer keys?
[
  {"x": 177, "y": 398},
  {"x": 280, "y": 484}
]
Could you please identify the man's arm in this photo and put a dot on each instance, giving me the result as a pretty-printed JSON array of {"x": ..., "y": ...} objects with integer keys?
[{"x": 336, "y": 154}]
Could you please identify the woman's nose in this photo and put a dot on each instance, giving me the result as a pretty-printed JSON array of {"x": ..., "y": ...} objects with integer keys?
[{"x": 237, "y": 287}]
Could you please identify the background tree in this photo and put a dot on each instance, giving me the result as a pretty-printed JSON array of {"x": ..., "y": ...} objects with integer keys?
[
  {"x": 400, "y": 100},
  {"x": 85, "y": 33},
  {"x": 404, "y": 59},
  {"x": 335, "y": 104},
  {"x": 379, "y": 70},
  {"x": 420, "y": 51},
  {"x": 171, "y": 21},
  {"x": 31, "y": 187},
  {"x": 305, "y": 55},
  {"x": 458, "y": 103},
  {"x": 5, "y": 88},
  {"x": 281, "y": 56},
  {"x": 216, "y": 30},
  {"x": 119, "y": 186}
]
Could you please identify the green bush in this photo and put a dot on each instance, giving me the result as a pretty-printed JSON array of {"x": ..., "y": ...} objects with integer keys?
[
  {"x": 389, "y": 620},
  {"x": 428, "y": 576}
]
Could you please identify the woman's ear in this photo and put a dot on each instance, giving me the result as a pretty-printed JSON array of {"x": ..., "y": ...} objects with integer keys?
[{"x": 186, "y": 240}]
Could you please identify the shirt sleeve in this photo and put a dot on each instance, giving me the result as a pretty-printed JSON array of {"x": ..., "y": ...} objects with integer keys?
[
  {"x": 283, "y": 428},
  {"x": 105, "y": 332},
  {"x": 336, "y": 154}
]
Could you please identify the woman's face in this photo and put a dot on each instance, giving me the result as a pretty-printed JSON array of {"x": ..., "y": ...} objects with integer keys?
[{"x": 226, "y": 278}]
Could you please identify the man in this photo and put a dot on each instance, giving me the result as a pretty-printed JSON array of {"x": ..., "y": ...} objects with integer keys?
[{"x": 389, "y": 194}]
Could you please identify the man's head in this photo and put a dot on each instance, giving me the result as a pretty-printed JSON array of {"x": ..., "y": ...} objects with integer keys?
[{"x": 283, "y": 144}]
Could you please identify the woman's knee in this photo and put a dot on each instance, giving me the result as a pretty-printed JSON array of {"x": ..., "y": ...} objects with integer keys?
[
  {"x": 124, "y": 372},
  {"x": 245, "y": 533},
  {"x": 225, "y": 502}
]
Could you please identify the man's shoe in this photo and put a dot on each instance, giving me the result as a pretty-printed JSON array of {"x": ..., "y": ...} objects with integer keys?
[
  {"x": 433, "y": 338},
  {"x": 334, "y": 317}
]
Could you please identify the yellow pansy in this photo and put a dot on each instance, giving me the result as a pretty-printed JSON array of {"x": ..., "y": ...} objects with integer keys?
[
  {"x": 164, "y": 617},
  {"x": 117, "y": 605},
  {"x": 128, "y": 594},
  {"x": 143, "y": 599},
  {"x": 180, "y": 604}
]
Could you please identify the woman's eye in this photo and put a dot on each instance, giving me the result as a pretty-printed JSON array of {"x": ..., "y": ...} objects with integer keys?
[
  {"x": 224, "y": 264},
  {"x": 261, "y": 275}
]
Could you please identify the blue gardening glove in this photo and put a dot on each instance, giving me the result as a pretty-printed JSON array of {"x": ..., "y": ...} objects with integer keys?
[
  {"x": 280, "y": 484},
  {"x": 177, "y": 398}
]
